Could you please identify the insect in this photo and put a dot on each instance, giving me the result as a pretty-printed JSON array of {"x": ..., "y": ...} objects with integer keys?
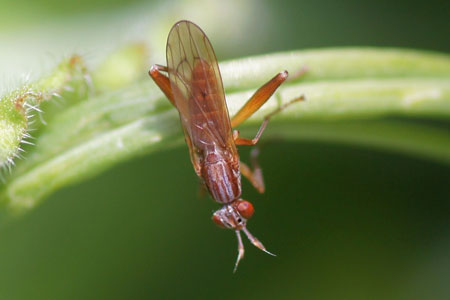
[{"x": 194, "y": 87}]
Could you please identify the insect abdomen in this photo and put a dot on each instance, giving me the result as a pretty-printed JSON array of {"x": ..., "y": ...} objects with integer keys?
[{"x": 222, "y": 177}]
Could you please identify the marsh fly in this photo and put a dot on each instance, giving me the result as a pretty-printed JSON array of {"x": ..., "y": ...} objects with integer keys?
[{"x": 194, "y": 87}]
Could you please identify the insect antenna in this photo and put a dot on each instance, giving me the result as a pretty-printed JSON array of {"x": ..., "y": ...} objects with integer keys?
[
  {"x": 240, "y": 250},
  {"x": 255, "y": 241},
  {"x": 252, "y": 239}
]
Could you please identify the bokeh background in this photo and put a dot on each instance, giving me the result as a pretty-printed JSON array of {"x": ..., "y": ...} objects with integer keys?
[{"x": 347, "y": 222}]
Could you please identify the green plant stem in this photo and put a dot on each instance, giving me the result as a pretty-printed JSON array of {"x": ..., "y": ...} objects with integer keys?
[
  {"x": 360, "y": 96},
  {"x": 19, "y": 106}
]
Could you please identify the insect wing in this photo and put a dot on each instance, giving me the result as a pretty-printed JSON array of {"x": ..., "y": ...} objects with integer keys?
[{"x": 197, "y": 88}]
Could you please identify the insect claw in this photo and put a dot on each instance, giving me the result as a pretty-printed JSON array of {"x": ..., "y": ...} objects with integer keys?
[{"x": 240, "y": 250}]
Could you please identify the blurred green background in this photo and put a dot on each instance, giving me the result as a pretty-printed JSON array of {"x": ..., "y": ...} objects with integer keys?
[{"x": 346, "y": 222}]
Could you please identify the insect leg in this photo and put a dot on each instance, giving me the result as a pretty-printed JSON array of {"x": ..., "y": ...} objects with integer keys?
[
  {"x": 243, "y": 141},
  {"x": 162, "y": 81},
  {"x": 258, "y": 99},
  {"x": 255, "y": 176}
]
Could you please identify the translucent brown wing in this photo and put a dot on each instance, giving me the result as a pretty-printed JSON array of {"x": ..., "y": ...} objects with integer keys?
[{"x": 197, "y": 90}]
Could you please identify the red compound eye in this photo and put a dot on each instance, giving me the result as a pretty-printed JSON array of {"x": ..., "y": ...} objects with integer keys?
[
  {"x": 244, "y": 208},
  {"x": 218, "y": 222}
]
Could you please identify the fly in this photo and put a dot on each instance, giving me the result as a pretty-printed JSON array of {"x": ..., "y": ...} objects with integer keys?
[{"x": 194, "y": 86}]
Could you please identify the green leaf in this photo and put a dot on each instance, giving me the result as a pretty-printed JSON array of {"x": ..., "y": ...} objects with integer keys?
[{"x": 383, "y": 98}]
